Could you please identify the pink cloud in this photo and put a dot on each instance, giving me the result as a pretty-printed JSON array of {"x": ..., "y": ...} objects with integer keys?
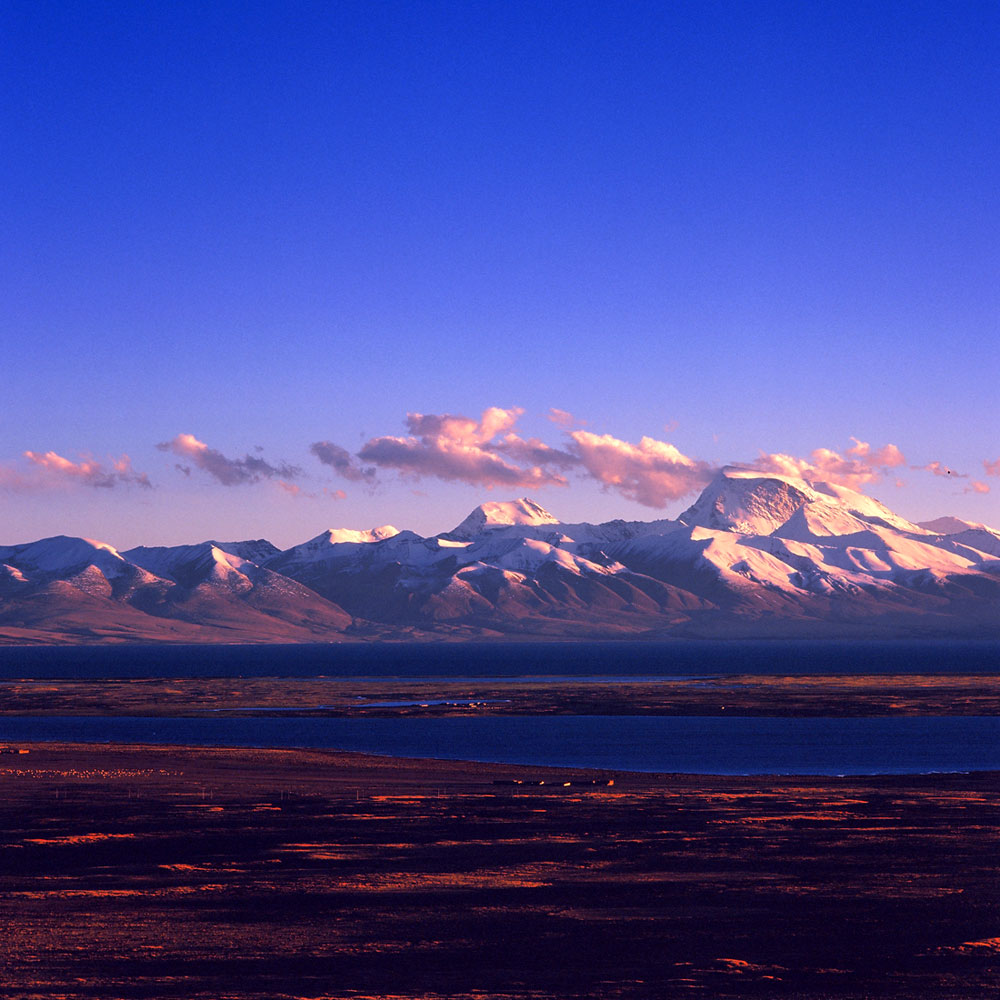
[
  {"x": 295, "y": 491},
  {"x": 976, "y": 486},
  {"x": 562, "y": 418},
  {"x": 298, "y": 493},
  {"x": 651, "y": 472},
  {"x": 488, "y": 452},
  {"x": 88, "y": 471},
  {"x": 464, "y": 430},
  {"x": 886, "y": 457},
  {"x": 462, "y": 449},
  {"x": 859, "y": 466},
  {"x": 939, "y": 469},
  {"x": 992, "y": 468},
  {"x": 228, "y": 471}
]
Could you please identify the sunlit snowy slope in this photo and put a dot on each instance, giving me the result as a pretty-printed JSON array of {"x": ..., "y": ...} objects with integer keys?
[{"x": 755, "y": 555}]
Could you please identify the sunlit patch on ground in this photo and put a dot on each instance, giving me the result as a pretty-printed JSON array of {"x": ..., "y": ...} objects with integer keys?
[{"x": 79, "y": 838}]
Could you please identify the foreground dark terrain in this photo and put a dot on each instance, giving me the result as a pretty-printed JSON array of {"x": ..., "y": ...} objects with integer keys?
[{"x": 140, "y": 872}]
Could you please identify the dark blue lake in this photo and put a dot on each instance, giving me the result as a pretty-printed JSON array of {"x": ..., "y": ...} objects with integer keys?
[
  {"x": 692, "y": 745},
  {"x": 582, "y": 661}
]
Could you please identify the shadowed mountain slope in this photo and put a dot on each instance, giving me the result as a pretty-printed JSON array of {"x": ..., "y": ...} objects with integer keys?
[{"x": 754, "y": 555}]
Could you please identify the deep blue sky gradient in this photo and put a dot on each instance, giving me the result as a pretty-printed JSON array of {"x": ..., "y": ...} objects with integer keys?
[{"x": 773, "y": 224}]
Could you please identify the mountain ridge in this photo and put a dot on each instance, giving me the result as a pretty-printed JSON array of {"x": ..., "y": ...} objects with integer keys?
[{"x": 755, "y": 555}]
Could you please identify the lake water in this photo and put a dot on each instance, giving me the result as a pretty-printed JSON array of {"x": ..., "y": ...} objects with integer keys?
[
  {"x": 640, "y": 743},
  {"x": 692, "y": 745},
  {"x": 585, "y": 661}
]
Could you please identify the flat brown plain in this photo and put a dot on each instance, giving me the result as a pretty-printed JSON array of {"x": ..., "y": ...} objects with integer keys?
[
  {"x": 827, "y": 695},
  {"x": 154, "y": 872}
]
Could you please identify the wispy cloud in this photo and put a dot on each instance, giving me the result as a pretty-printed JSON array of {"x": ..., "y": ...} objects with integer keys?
[
  {"x": 14, "y": 480},
  {"x": 562, "y": 418},
  {"x": 296, "y": 492},
  {"x": 228, "y": 471},
  {"x": 342, "y": 462},
  {"x": 992, "y": 468},
  {"x": 977, "y": 486},
  {"x": 88, "y": 471},
  {"x": 940, "y": 469},
  {"x": 651, "y": 472},
  {"x": 293, "y": 489},
  {"x": 462, "y": 449}
]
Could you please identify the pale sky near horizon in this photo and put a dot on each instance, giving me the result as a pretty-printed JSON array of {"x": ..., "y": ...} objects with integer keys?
[{"x": 273, "y": 268}]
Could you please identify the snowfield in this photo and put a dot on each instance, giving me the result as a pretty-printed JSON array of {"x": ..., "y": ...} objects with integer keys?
[{"x": 754, "y": 554}]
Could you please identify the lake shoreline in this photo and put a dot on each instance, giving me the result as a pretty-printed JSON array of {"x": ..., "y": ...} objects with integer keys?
[
  {"x": 730, "y": 724},
  {"x": 774, "y": 695}
]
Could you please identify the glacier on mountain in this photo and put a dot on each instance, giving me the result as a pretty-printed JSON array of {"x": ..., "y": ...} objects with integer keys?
[{"x": 755, "y": 554}]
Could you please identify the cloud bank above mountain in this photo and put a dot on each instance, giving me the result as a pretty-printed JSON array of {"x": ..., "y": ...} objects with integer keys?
[
  {"x": 489, "y": 452},
  {"x": 486, "y": 452}
]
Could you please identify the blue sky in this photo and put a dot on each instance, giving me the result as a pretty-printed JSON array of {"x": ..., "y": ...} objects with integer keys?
[{"x": 735, "y": 230}]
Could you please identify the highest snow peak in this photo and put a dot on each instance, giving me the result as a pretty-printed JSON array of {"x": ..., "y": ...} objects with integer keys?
[{"x": 754, "y": 555}]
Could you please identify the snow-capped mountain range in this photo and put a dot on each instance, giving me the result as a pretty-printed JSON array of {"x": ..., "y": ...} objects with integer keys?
[{"x": 754, "y": 555}]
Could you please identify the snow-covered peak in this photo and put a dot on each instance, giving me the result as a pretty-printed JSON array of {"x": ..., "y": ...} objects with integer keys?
[
  {"x": 751, "y": 503},
  {"x": 979, "y": 538},
  {"x": 363, "y": 535},
  {"x": 737, "y": 472},
  {"x": 334, "y": 543},
  {"x": 758, "y": 503},
  {"x": 950, "y": 525},
  {"x": 503, "y": 514},
  {"x": 255, "y": 550},
  {"x": 818, "y": 520},
  {"x": 863, "y": 506},
  {"x": 319, "y": 547},
  {"x": 179, "y": 561},
  {"x": 62, "y": 553},
  {"x": 192, "y": 564}
]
